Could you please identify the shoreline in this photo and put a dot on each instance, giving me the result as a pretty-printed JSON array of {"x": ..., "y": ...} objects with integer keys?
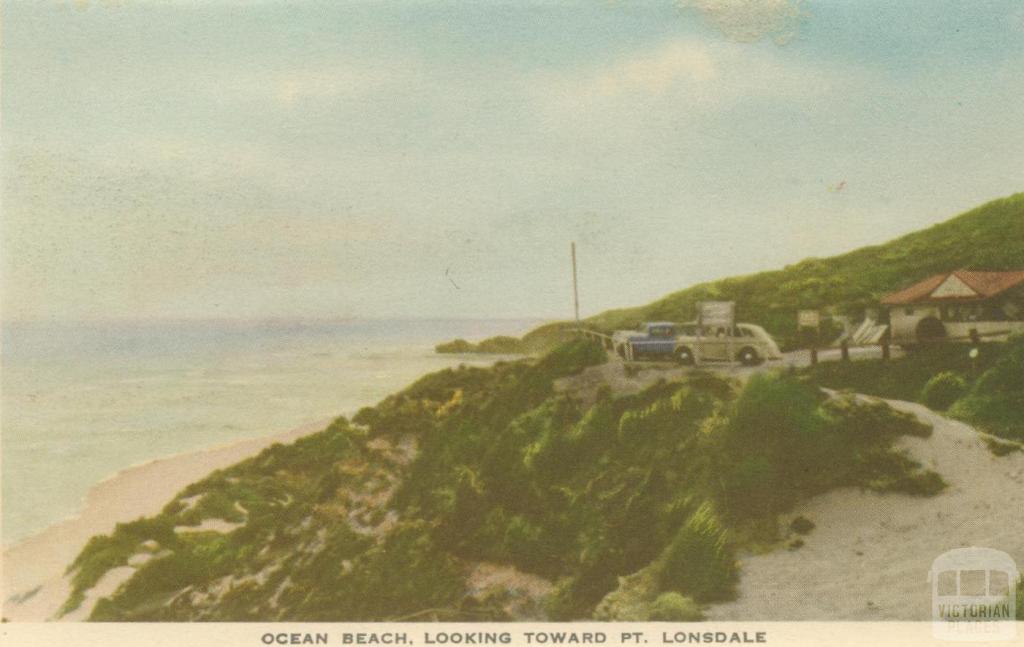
[{"x": 36, "y": 563}]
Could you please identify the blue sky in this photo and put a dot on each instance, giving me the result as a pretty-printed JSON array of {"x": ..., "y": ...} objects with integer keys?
[{"x": 435, "y": 159}]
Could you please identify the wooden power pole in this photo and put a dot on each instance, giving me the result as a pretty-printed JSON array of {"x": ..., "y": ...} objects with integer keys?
[{"x": 575, "y": 287}]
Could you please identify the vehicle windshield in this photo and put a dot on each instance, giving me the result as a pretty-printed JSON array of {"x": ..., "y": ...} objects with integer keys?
[{"x": 973, "y": 583}]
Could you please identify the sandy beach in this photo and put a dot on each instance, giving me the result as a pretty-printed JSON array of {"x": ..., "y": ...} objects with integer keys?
[{"x": 34, "y": 586}]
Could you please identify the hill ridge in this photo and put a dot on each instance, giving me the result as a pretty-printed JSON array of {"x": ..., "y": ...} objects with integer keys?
[{"x": 987, "y": 237}]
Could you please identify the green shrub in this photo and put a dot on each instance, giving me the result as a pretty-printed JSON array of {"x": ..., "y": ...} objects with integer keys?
[
  {"x": 1020, "y": 599},
  {"x": 673, "y": 607},
  {"x": 870, "y": 422},
  {"x": 903, "y": 378},
  {"x": 699, "y": 561},
  {"x": 802, "y": 525},
  {"x": 782, "y": 442},
  {"x": 501, "y": 344},
  {"x": 771, "y": 447},
  {"x": 572, "y": 357},
  {"x": 996, "y": 401},
  {"x": 105, "y": 552},
  {"x": 943, "y": 390},
  {"x": 924, "y": 483},
  {"x": 455, "y": 346}
]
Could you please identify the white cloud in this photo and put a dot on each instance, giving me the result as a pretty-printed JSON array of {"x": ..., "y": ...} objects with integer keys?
[
  {"x": 1016, "y": 20},
  {"x": 748, "y": 21},
  {"x": 656, "y": 72},
  {"x": 691, "y": 76},
  {"x": 292, "y": 87}
]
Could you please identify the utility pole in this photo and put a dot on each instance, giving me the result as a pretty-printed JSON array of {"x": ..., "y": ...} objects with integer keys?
[{"x": 575, "y": 288}]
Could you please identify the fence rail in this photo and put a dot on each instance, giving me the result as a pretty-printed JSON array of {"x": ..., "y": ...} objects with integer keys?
[{"x": 603, "y": 339}]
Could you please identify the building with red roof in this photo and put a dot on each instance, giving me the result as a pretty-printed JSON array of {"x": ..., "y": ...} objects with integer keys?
[{"x": 958, "y": 306}]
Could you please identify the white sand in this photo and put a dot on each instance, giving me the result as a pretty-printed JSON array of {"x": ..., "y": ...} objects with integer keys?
[
  {"x": 869, "y": 556},
  {"x": 138, "y": 491},
  {"x": 211, "y": 525}
]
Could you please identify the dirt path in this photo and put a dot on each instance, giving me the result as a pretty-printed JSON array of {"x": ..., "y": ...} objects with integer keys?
[
  {"x": 869, "y": 556},
  {"x": 639, "y": 376}
]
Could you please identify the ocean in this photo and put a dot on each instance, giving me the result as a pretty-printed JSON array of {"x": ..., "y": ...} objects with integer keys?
[{"x": 80, "y": 402}]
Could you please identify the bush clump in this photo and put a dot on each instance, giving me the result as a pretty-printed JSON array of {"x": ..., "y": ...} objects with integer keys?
[
  {"x": 943, "y": 390},
  {"x": 801, "y": 525},
  {"x": 996, "y": 401},
  {"x": 673, "y": 607},
  {"x": 500, "y": 345},
  {"x": 700, "y": 560},
  {"x": 456, "y": 346}
]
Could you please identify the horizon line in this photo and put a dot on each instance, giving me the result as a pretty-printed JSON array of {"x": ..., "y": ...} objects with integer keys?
[{"x": 283, "y": 319}]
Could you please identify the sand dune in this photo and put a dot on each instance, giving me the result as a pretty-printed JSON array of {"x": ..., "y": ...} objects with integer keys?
[
  {"x": 33, "y": 583},
  {"x": 869, "y": 555},
  {"x": 867, "y": 558}
]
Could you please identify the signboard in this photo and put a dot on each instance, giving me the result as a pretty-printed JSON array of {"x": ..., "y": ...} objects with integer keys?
[
  {"x": 716, "y": 313},
  {"x": 808, "y": 319}
]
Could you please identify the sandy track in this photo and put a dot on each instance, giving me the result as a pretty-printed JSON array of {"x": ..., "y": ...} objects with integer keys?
[{"x": 869, "y": 556}]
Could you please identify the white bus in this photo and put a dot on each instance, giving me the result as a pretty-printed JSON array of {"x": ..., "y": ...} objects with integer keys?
[{"x": 974, "y": 594}]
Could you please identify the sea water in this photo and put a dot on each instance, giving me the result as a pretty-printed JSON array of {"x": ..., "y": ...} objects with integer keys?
[{"x": 80, "y": 402}]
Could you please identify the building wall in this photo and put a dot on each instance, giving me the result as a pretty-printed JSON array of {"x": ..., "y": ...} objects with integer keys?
[
  {"x": 986, "y": 329},
  {"x": 903, "y": 322}
]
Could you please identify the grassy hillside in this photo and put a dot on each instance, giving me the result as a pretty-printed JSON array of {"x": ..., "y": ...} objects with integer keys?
[
  {"x": 990, "y": 237},
  {"x": 631, "y": 506}
]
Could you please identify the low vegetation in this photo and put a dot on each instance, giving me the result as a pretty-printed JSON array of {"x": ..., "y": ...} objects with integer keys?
[
  {"x": 905, "y": 378},
  {"x": 339, "y": 526},
  {"x": 943, "y": 390},
  {"x": 995, "y": 401},
  {"x": 1020, "y": 599},
  {"x": 987, "y": 392},
  {"x": 500, "y": 345}
]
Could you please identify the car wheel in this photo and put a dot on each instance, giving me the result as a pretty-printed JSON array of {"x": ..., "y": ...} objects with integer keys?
[
  {"x": 749, "y": 357},
  {"x": 684, "y": 356}
]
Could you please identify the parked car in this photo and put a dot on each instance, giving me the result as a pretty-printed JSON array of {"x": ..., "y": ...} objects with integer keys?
[
  {"x": 655, "y": 340},
  {"x": 687, "y": 343}
]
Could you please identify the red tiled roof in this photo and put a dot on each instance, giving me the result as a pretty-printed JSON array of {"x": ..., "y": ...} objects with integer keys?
[
  {"x": 989, "y": 284},
  {"x": 986, "y": 284},
  {"x": 916, "y": 292}
]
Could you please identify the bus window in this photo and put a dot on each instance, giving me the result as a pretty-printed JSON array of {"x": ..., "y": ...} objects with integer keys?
[
  {"x": 947, "y": 583},
  {"x": 998, "y": 583},
  {"x": 972, "y": 583}
]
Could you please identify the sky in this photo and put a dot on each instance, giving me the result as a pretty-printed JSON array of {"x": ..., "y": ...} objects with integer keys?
[{"x": 435, "y": 159}]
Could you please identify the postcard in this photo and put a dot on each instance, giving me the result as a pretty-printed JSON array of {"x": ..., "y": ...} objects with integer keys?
[{"x": 526, "y": 322}]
